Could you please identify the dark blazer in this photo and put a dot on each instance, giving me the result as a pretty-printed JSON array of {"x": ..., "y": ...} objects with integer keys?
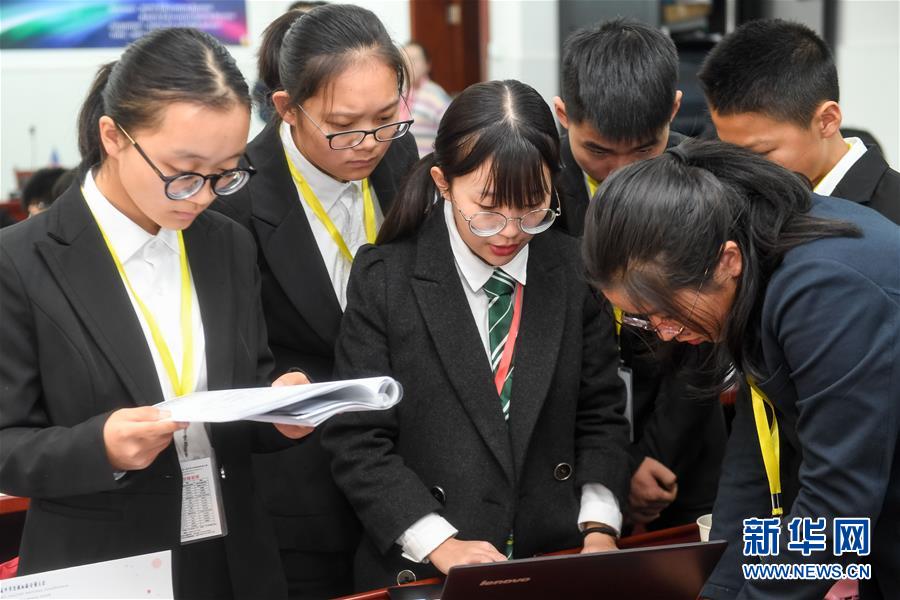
[
  {"x": 685, "y": 433},
  {"x": 573, "y": 193},
  {"x": 446, "y": 448},
  {"x": 73, "y": 351},
  {"x": 871, "y": 182},
  {"x": 303, "y": 317},
  {"x": 829, "y": 332}
]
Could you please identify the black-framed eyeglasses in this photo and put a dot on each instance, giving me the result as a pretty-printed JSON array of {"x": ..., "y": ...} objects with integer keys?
[
  {"x": 344, "y": 140},
  {"x": 665, "y": 329},
  {"x": 487, "y": 222},
  {"x": 182, "y": 186}
]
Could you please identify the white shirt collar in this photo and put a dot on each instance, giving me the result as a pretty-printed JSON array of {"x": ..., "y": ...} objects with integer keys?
[
  {"x": 475, "y": 272},
  {"x": 856, "y": 149},
  {"x": 126, "y": 236},
  {"x": 326, "y": 188}
]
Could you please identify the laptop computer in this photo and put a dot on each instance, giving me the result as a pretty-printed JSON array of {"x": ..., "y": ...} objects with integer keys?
[{"x": 671, "y": 572}]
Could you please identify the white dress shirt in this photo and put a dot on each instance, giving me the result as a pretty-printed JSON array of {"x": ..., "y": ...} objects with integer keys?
[
  {"x": 598, "y": 504},
  {"x": 342, "y": 201},
  {"x": 152, "y": 263},
  {"x": 856, "y": 149}
]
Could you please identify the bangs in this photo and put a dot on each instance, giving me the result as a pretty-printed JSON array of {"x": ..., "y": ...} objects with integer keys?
[{"x": 517, "y": 175}]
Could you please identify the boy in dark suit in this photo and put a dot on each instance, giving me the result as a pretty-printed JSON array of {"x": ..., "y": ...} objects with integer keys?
[
  {"x": 772, "y": 87},
  {"x": 615, "y": 116}
]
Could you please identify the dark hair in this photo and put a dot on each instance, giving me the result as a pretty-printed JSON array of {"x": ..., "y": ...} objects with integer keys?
[
  {"x": 166, "y": 65},
  {"x": 39, "y": 187},
  {"x": 773, "y": 67},
  {"x": 663, "y": 222},
  {"x": 62, "y": 184},
  {"x": 505, "y": 122},
  {"x": 300, "y": 53},
  {"x": 620, "y": 77}
]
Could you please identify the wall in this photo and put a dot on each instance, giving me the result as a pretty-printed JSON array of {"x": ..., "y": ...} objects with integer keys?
[{"x": 45, "y": 88}]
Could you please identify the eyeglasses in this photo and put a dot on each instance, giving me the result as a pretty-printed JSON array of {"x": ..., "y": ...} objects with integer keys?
[
  {"x": 487, "y": 222},
  {"x": 182, "y": 186},
  {"x": 344, "y": 140},
  {"x": 665, "y": 329}
]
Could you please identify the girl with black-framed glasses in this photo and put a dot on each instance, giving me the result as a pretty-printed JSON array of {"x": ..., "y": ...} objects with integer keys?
[
  {"x": 126, "y": 293},
  {"x": 329, "y": 164}
]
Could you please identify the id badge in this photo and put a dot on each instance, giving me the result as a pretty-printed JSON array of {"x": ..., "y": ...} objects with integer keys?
[
  {"x": 202, "y": 512},
  {"x": 626, "y": 376}
]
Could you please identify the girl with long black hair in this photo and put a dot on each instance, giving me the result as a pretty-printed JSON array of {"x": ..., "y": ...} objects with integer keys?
[
  {"x": 510, "y": 439},
  {"x": 801, "y": 293}
]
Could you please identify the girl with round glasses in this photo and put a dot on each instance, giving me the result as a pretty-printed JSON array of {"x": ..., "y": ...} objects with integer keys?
[
  {"x": 801, "y": 295},
  {"x": 329, "y": 166},
  {"x": 125, "y": 293},
  {"x": 510, "y": 439}
]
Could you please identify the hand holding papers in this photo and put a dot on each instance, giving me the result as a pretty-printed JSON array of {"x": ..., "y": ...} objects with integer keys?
[{"x": 309, "y": 405}]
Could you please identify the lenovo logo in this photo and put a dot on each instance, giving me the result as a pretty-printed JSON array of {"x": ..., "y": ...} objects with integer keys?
[{"x": 504, "y": 581}]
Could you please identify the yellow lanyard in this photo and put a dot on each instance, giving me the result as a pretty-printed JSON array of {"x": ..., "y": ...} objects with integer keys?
[
  {"x": 593, "y": 184},
  {"x": 186, "y": 384},
  {"x": 768, "y": 444},
  {"x": 316, "y": 207}
]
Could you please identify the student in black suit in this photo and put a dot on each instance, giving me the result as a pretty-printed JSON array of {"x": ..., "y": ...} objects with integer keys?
[
  {"x": 510, "y": 434},
  {"x": 772, "y": 87},
  {"x": 335, "y": 147},
  {"x": 125, "y": 293},
  {"x": 801, "y": 294},
  {"x": 614, "y": 117}
]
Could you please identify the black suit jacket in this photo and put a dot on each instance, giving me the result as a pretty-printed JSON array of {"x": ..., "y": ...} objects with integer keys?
[
  {"x": 871, "y": 182},
  {"x": 671, "y": 424},
  {"x": 446, "y": 448},
  {"x": 829, "y": 329},
  {"x": 73, "y": 351},
  {"x": 303, "y": 317}
]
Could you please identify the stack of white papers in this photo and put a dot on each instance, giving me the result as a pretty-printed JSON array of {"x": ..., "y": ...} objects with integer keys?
[{"x": 309, "y": 405}]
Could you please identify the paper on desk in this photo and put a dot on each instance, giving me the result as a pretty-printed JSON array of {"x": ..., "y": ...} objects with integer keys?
[
  {"x": 144, "y": 576},
  {"x": 310, "y": 404}
]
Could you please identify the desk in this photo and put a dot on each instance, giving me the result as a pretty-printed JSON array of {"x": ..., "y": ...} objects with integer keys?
[
  {"x": 676, "y": 535},
  {"x": 12, "y": 521}
]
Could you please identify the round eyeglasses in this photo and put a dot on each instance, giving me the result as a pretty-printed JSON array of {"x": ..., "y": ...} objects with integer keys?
[
  {"x": 666, "y": 329},
  {"x": 182, "y": 186},
  {"x": 487, "y": 222}
]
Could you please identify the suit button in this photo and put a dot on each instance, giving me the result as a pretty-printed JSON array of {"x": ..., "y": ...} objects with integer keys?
[
  {"x": 439, "y": 495},
  {"x": 562, "y": 471},
  {"x": 222, "y": 472},
  {"x": 405, "y": 576}
]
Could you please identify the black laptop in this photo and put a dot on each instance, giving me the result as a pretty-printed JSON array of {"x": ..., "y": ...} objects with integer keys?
[{"x": 667, "y": 572}]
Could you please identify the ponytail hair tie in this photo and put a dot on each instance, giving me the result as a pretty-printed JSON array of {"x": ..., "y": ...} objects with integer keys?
[{"x": 679, "y": 153}]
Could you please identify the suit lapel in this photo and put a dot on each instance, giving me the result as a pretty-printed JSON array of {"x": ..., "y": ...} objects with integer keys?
[
  {"x": 574, "y": 189},
  {"x": 537, "y": 348},
  {"x": 859, "y": 183},
  {"x": 206, "y": 247},
  {"x": 445, "y": 310},
  {"x": 286, "y": 238},
  {"x": 80, "y": 262}
]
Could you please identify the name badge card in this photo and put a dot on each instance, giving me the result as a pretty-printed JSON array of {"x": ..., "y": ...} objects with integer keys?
[{"x": 202, "y": 513}]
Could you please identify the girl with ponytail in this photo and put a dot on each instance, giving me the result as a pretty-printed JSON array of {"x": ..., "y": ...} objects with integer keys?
[
  {"x": 330, "y": 162},
  {"x": 510, "y": 440},
  {"x": 125, "y": 293},
  {"x": 801, "y": 294}
]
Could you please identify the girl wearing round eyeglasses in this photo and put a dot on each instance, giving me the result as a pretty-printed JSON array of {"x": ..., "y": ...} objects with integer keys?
[
  {"x": 801, "y": 295},
  {"x": 510, "y": 439},
  {"x": 125, "y": 293},
  {"x": 329, "y": 164}
]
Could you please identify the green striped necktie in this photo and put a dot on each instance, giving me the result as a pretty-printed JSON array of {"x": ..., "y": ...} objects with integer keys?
[{"x": 499, "y": 289}]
